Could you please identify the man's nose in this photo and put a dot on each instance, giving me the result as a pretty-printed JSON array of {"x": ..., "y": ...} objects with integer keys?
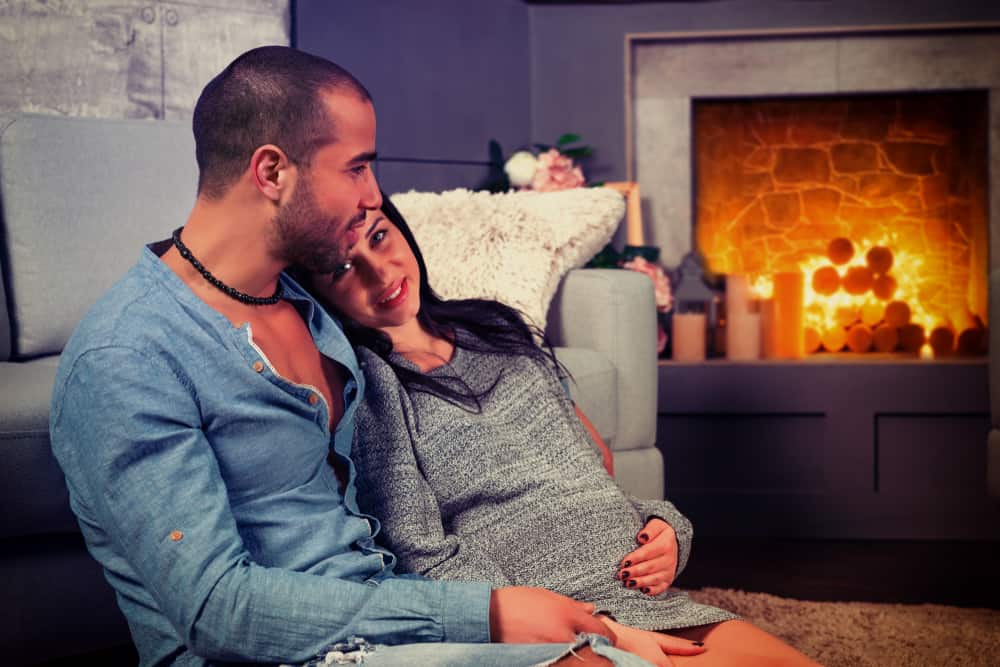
[{"x": 371, "y": 196}]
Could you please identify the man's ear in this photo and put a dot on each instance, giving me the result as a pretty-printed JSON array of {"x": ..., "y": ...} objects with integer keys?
[{"x": 269, "y": 166}]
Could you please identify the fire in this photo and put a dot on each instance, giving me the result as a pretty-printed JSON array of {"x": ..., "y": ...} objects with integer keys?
[{"x": 839, "y": 314}]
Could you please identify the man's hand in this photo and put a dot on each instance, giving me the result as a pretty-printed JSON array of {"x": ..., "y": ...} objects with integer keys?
[
  {"x": 524, "y": 615},
  {"x": 653, "y": 647},
  {"x": 652, "y": 567}
]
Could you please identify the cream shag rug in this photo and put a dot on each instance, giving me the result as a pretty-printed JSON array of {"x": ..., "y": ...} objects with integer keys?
[{"x": 861, "y": 633}]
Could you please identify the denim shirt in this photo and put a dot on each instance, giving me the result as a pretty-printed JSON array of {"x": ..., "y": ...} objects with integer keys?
[{"x": 200, "y": 481}]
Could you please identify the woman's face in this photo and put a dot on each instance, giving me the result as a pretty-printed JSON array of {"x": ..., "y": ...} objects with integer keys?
[{"x": 379, "y": 285}]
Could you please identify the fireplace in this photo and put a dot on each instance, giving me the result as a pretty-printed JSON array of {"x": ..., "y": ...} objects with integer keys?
[
  {"x": 858, "y": 159},
  {"x": 878, "y": 200}
]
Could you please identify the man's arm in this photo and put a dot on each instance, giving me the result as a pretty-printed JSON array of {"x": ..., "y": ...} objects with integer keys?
[{"x": 128, "y": 434}]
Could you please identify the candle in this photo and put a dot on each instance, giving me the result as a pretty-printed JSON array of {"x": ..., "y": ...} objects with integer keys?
[
  {"x": 737, "y": 295},
  {"x": 688, "y": 331},
  {"x": 789, "y": 321},
  {"x": 742, "y": 320},
  {"x": 767, "y": 328},
  {"x": 743, "y": 336}
]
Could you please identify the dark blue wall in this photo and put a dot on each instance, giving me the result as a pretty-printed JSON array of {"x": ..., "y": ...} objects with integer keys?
[{"x": 447, "y": 75}]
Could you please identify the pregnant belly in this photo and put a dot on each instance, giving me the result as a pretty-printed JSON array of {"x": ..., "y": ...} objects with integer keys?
[{"x": 572, "y": 544}]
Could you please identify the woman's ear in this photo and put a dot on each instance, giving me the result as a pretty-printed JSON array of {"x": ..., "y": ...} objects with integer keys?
[{"x": 269, "y": 168}]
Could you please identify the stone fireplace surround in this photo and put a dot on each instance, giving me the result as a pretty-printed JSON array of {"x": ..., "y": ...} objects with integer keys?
[{"x": 861, "y": 449}]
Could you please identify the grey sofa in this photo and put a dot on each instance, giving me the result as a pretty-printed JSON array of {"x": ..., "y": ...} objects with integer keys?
[{"x": 79, "y": 198}]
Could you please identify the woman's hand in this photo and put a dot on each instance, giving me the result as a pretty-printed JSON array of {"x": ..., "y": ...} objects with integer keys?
[
  {"x": 653, "y": 647},
  {"x": 652, "y": 567}
]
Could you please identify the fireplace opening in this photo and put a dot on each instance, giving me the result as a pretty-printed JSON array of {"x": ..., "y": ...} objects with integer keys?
[{"x": 875, "y": 204}]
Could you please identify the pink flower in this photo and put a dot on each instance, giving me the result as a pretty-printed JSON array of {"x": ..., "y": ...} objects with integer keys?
[
  {"x": 661, "y": 286},
  {"x": 661, "y": 339},
  {"x": 555, "y": 171}
]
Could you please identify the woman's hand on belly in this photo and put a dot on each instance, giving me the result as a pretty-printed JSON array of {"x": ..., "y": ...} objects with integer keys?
[{"x": 652, "y": 567}]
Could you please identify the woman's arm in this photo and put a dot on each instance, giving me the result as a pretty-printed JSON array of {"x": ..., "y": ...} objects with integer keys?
[
  {"x": 665, "y": 539},
  {"x": 606, "y": 456}
]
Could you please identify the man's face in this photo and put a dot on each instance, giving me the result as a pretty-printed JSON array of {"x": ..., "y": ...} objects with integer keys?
[{"x": 319, "y": 223}]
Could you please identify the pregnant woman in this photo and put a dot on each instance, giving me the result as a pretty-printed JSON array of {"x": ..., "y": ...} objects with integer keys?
[{"x": 480, "y": 467}]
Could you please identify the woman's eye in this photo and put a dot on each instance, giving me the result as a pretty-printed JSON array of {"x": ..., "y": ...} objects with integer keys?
[{"x": 378, "y": 236}]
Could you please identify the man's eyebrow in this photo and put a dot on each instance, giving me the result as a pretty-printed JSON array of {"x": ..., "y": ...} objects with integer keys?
[{"x": 369, "y": 156}]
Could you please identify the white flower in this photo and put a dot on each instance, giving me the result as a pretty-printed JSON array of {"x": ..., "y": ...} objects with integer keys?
[{"x": 520, "y": 168}]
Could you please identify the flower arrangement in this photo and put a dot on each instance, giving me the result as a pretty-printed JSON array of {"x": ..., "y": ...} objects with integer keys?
[{"x": 543, "y": 168}]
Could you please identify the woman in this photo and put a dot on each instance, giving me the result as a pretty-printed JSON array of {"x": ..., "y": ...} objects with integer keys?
[{"x": 480, "y": 467}]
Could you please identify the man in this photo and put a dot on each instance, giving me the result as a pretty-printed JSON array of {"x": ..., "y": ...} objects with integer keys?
[{"x": 197, "y": 402}]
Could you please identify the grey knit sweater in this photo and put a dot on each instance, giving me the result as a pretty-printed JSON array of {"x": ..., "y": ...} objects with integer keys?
[{"x": 516, "y": 495}]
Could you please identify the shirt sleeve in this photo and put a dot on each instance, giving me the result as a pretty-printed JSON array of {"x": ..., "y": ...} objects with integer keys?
[
  {"x": 126, "y": 429},
  {"x": 664, "y": 509}
]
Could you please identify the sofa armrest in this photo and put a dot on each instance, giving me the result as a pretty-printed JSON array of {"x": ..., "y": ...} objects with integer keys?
[{"x": 613, "y": 311}]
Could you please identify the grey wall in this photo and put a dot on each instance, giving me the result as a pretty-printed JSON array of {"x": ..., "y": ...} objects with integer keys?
[
  {"x": 578, "y": 53},
  {"x": 446, "y": 76},
  {"x": 125, "y": 58}
]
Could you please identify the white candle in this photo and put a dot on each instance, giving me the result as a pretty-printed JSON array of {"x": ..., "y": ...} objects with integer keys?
[
  {"x": 737, "y": 295},
  {"x": 743, "y": 336},
  {"x": 688, "y": 331}
]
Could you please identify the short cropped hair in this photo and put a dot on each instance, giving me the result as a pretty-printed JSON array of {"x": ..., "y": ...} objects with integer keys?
[{"x": 268, "y": 95}]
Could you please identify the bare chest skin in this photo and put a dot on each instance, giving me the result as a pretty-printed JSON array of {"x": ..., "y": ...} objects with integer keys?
[{"x": 284, "y": 338}]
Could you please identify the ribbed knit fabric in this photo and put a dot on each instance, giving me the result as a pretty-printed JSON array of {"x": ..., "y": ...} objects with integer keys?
[{"x": 516, "y": 495}]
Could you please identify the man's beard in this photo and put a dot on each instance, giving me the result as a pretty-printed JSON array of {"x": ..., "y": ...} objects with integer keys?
[{"x": 305, "y": 237}]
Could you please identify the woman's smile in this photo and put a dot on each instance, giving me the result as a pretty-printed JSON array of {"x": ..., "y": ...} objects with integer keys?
[{"x": 394, "y": 296}]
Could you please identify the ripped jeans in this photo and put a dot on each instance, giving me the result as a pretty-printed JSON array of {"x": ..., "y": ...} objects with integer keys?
[{"x": 357, "y": 651}]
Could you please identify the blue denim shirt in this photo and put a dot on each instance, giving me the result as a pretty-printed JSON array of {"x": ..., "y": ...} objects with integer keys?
[{"x": 200, "y": 482}]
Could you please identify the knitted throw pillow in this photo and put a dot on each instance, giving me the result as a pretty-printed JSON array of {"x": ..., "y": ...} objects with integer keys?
[{"x": 514, "y": 247}]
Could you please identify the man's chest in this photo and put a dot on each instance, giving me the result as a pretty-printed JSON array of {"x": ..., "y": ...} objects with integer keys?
[{"x": 289, "y": 349}]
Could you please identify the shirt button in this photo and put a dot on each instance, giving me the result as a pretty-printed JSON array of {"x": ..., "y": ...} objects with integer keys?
[
  {"x": 258, "y": 365},
  {"x": 313, "y": 399}
]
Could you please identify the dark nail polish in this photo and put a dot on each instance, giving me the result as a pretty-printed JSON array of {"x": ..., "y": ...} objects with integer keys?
[
  {"x": 626, "y": 563},
  {"x": 625, "y": 575},
  {"x": 645, "y": 589},
  {"x": 631, "y": 583},
  {"x": 698, "y": 643},
  {"x": 643, "y": 537}
]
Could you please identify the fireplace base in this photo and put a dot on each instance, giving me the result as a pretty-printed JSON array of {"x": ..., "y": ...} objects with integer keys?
[{"x": 882, "y": 449}]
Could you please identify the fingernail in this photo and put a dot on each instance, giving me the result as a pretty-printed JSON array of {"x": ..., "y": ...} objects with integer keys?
[
  {"x": 631, "y": 583},
  {"x": 643, "y": 537},
  {"x": 698, "y": 643},
  {"x": 645, "y": 589},
  {"x": 625, "y": 575},
  {"x": 626, "y": 563}
]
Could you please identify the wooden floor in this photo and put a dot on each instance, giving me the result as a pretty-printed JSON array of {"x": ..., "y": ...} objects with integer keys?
[{"x": 965, "y": 574}]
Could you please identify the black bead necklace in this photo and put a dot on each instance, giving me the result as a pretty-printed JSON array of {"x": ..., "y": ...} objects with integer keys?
[{"x": 226, "y": 289}]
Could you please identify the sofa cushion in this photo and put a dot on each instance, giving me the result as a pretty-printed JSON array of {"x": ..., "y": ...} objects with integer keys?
[
  {"x": 70, "y": 217},
  {"x": 514, "y": 247},
  {"x": 32, "y": 487}
]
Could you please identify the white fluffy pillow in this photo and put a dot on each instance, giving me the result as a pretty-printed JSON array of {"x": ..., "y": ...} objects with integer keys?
[{"x": 514, "y": 247}]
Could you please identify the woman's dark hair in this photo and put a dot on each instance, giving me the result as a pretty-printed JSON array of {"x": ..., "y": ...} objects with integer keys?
[{"x": 491, "y": 327}]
